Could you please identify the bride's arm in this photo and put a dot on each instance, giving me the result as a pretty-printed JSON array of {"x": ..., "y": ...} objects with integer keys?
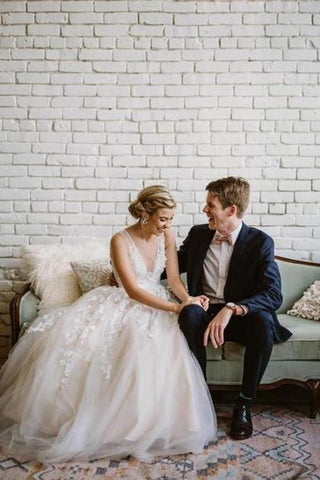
[
  {"x": 173, "y": 276},
  {"x": 121, "y": 261},
  {"x": 172, "y": 268}
]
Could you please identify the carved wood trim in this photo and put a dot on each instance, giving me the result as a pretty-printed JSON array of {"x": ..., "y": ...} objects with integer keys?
[
  {"x": 298, "y": 262},
  {"x": 314, "y": 386}
]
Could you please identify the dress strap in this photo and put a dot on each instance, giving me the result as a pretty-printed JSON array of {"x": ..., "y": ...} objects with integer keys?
[{"x": 127, "y": 236}]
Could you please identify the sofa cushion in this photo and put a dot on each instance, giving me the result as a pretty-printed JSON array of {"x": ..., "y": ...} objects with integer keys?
[
  {"x": 230, "y": 372},
  {"x": 296, "y": 278},
  {"x": 214, "y": 353},
  {"x": 93, "y": 274},
  {"x": 308, "y": 306},
  {"x": 48, "y": 269},
  {"x": 28, "y": 308},
  {"x": 304, "y": 344}
]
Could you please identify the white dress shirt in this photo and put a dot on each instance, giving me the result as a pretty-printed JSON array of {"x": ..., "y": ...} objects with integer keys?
[{"x": 216, "y": 267}]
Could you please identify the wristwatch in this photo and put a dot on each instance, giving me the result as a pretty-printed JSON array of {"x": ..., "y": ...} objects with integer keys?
[{"x": 232, "y": 306}]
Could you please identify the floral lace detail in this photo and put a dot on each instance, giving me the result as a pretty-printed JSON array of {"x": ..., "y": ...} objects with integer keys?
[
  {"x": 75, "y": 336},
  {"x": 108, "y": 350},
  {"x": 44, "y": 322},
  {"x": 139, "y": 266},
  {"x": 105, "y": 312}
]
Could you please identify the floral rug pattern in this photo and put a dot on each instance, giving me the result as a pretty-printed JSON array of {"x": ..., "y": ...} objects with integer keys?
[{"x": 285, "y": 446}]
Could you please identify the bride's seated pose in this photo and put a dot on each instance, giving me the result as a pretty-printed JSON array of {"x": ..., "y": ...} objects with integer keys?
[{"x": 112, "y": 375}]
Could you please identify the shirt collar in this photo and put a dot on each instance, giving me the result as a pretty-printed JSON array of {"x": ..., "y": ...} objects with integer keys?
[{"x": 234, "y": 234}]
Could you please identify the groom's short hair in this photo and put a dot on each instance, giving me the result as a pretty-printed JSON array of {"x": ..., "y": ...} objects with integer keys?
[{"x": 231, "y": 191}]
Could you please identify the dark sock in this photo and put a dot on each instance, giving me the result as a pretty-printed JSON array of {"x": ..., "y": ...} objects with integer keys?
[{"x": 243, "y": 400}]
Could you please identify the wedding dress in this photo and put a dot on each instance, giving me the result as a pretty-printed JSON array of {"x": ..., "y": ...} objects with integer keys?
[{"x": 105, "y": 377}]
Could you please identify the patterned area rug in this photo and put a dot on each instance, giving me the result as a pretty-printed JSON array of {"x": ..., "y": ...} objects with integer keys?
[{"x": 285, "y": 446}]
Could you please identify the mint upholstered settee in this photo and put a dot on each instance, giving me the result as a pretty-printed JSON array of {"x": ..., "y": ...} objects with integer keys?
[{"x": 296, "y": 361}]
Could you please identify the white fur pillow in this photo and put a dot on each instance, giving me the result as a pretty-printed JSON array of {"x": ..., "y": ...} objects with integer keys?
[
  {"x": 92, "y": 274},
  {"x": 308, "y": 306},
  {"x": 48, "y": 269}
]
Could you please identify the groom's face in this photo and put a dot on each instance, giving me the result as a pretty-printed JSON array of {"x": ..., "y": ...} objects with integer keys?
[{"x": 218, "y": 217}]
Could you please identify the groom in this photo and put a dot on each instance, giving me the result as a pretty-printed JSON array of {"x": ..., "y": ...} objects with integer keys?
[{"x": 234, "y": 266}]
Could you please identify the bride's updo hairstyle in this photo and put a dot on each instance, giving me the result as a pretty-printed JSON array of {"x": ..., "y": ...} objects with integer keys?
[{"x": 150, "y": 199}]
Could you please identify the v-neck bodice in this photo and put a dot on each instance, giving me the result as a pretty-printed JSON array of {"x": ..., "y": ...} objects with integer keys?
[
  {"x": 131, "y": 241},
  {"x": 143, "y": 275}
]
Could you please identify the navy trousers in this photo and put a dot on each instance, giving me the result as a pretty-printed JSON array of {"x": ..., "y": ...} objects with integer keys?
[{"x": 254, "y": 331}]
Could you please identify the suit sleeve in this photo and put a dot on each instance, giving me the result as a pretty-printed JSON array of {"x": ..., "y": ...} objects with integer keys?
[
  {"x": 267, "y": 294},
  {"x": 183, "y": 253},
  {"x": 182, "y": 256}
]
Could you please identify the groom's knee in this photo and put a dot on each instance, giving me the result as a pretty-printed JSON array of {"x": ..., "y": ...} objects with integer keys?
[{"x": 191, "y": 318}]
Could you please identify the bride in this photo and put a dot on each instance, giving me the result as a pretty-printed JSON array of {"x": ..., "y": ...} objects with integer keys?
[{"x": 112, "y": 374}]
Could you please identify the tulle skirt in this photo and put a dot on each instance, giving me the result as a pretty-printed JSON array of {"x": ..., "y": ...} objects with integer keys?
[{"x": 105, "y": 377}]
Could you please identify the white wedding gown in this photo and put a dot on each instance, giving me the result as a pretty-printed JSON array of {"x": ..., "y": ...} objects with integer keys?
[{"x": 105, "y": 377}]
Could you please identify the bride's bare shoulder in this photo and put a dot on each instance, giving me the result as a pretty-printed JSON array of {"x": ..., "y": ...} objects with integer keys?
[{"x": 117, "y": 239}]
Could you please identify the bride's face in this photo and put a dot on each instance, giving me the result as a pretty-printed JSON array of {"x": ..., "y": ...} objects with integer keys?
[{"x": 160, "y": 220}]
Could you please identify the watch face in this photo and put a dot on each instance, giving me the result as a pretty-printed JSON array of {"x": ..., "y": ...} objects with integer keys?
[{"x": 232, "y": 306}]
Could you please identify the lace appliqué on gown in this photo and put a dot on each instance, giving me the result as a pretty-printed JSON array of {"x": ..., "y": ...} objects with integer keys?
[
  {"x": 109, "y": 304},
  {"x": 105, "y": 377}
]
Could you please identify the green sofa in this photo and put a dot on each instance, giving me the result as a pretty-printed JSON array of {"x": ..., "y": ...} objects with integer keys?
[{"x": 296, "y": 361}]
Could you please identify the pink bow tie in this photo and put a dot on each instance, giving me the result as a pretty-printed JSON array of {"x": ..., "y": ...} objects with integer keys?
[{"x": 226, "y": 237}]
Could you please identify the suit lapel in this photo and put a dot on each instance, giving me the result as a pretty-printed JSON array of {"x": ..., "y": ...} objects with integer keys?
[
  {"x": 238, "y": 250},
  {"x": 239, "y": 245},
  {"x": 199, "y": 255},
  {"x": 204, "y": 244}
]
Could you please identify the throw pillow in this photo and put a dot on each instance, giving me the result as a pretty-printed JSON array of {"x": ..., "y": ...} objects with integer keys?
[
  {"x": 48, "y": 269},
  {"x": 92, "y": 274},
  {"x": 308, "y": 306}
]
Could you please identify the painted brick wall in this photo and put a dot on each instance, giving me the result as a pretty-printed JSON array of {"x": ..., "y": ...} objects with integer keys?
[{"x": 101, "y": 98}]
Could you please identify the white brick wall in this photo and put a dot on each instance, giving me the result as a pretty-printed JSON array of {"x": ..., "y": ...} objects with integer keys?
[{"x": 101, "y": 98}]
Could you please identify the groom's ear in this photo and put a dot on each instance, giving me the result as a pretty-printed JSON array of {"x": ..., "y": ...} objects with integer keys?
[{"x": 233, "y": 210}]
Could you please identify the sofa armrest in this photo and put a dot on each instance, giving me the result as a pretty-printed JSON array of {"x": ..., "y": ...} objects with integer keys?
[
  {"x": 296, "y": 277},
  {"x": 23, "y": 310}
]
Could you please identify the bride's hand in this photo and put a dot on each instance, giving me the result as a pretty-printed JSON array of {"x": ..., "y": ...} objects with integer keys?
[
  {"x": 201, "y": 300},
  {"x": 188, "y": 301},
  {"x": 204, "y": 301}
]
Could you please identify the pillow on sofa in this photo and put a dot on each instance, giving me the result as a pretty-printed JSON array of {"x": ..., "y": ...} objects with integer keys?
[
  {"x": 308, "y": 306},
  {"x": 92, "y": 274},
  {"x": 48, "y": 269}
]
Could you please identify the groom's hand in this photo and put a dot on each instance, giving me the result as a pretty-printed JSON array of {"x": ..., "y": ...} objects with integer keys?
[{"x": 215, "y": 329}]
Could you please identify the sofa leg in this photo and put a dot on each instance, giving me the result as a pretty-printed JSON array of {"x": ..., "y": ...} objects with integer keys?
[{"x": 314, "y": 386}]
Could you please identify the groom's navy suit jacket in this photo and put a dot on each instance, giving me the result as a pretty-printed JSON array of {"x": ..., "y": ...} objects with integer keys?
[{"x": 253, "y": 278}]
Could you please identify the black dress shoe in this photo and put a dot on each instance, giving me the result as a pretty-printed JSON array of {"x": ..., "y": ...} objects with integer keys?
[{"x": 241, "y": 425}]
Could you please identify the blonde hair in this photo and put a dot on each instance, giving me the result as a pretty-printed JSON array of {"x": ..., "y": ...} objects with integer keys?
[
  {"x": 231, "y": 191},
  {"x": 150, "y": 199}
]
